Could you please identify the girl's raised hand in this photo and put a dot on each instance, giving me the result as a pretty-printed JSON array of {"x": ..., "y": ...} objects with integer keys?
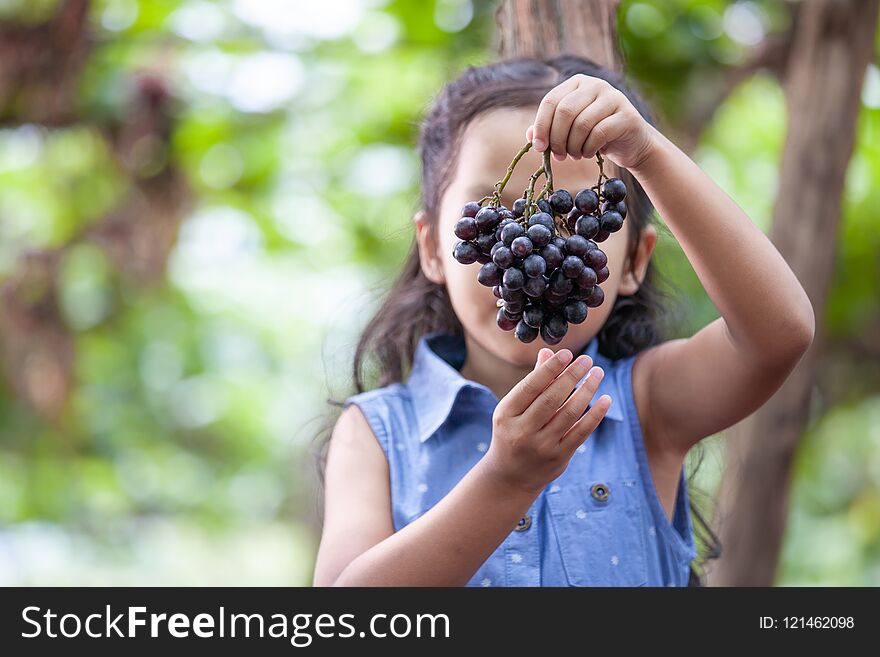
[
  {"x": 537, "y": 425},
  {"x": 585, "y": 115}
]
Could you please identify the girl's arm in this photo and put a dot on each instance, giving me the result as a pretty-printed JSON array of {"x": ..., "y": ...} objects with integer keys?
[
  {"x": 732, "y": 366},
  {"x": 536, "y": 428},
  {"x": 688, "y": 389}
]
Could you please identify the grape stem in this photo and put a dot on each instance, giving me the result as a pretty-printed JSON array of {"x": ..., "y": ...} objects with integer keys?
[
  {"x": 548, "y": 170},
  {"x": 499, "y": 186}
]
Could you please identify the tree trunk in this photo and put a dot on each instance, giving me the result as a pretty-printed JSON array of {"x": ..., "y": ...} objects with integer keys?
[
  {"x": 832, "y": 46},
  {"x": 544, "y": 28}
]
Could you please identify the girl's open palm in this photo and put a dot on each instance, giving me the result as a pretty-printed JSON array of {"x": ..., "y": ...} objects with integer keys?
[
  {"x": 537, "y": 425},
  {"x": 585, "y": 115}
]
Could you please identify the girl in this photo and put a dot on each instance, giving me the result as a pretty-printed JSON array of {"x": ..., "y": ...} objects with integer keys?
[{"x": 499, "y": 463}]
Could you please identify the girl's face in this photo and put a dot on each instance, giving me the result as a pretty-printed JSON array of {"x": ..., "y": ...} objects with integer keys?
[{"x": 488, "y": 145}]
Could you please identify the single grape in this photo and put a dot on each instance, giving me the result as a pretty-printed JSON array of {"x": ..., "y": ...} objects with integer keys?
[
  {"x": 521, "y": 246},
  {"x": 512, "y": 295},
  {"x": 489, "y": 274},
  {"x": 575, "y": 312},
  {"x": 540, "y": 235},
  {"x": 504, "y": 213},
  {"x": 586, "y": 201},
  {"x": 556, "y": 325},
  {"x": 544, "y": 219},
  {"x": 513, "y": 309},
  {"x": 580, "y": 293},
  {"x": 587, "y": 278},
  {"x": 465, "y": 252},
  {"x": 525, "y": 333},
  {"x": 596, "y": 259},
  {"x": 559, "y": 284},
  {"x": 483, "y": 258},
  {"x": 544, "y": 206},
  {"x": 497, "y": 291},
  {"x": 577, "y": 246},
  {"x": 485, "y": 243},
  {"x": 602, "y": 274},
  {"x": 535, "y": 287},
  {"x": 533, "y": 315},
  {"x": 571, "y": 219},
  {"x": 519, "y": 207},
  {"x": 534, "y": 265},
  {"x": 561, "y": 201},
  {"x": 470, "y": 209},
  {"x": 619, "y": 207},
  {"x": 596, "y": 298},
  {"x": 504, "y": 322},
  {"x": 587, "y": 226},
  {"x": 552, "y": 255},
  {"x": 611, "y": 221},
  {"x": 559, "y": 241},
  {"x": 503, "y": 256},
  {"x": 614, "y": 190},
  {"x": 466, "y": 228},
  {"x": 514, "y": 279},
  {"x": 548, "y": 337},
  {"x": 572, "y": 266},
  {"x": 602, "y": 235},
  {"x": 511, "y": 231},
  {"x": 487, "y": 218}
]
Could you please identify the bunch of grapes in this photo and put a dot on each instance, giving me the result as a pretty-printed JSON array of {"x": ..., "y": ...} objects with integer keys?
[{"x": 541, "y": 258}]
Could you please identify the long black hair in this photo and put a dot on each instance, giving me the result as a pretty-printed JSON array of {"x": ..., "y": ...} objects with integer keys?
[{"x": 415, "y": 305}]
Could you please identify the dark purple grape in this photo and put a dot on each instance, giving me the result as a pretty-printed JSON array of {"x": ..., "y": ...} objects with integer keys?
[
  {"x": 487, "y": 218},
  {"x": 466, "y": 228},
  {"x": 489, "y": 275},
  {"x": 497, "y": 291},
  {"x": 561, "y": 201},
  {"x": 577, "y": 246},
  {"x": 534, "y": 265},
  {"x": 504, "y": 322},
  {"x": 465, "y": 252},
  {"x": 500, "y": 227},
  {"x": 503, "y": 256},
  {"x": 587, "y": 226},
  {"x": 611, "y": 221},
  {"x": 540, "y": 235},
  {"x": 602, "y": 274},
  {"x": 495, "y": 248},
  {"x": 511, "y": 231},
  {"x": 559, "y": 241},
  {"x": 596, "y": 298},
  {"x": 521, "y": 246},
  {"x": 619, "y": 207},
  {"x": 543, "y": 219},
  {"x": 504, "y": 213},
  {"x": 614, "y": 190},
  {"x": 547, "y": 337},
  {"x": 533, "y": 315},
  {"x": 586, "y": 201},
  {"x": 525, "y": 333},
  {"x": 513, "y": 309},
  {"x": 572, "y": 266},
  {"x": 571, "y": 219},
  {"x": 601, "y": 236},
  {"x": 485, "y": 243},
  {"x": 483, "y": 258},
  {"x": 596, "y": 259},
  {"x": 519, "y": 207},
  {"x": 552, "y": 255},
  {"x": 587, "y": 278},
  {"x": 556, "y": 325},
  {"x": 512, "y": 295},
  {"x": 574, "y": 312},
  {"x": 544, "y": 206},
  {"x": 579, "y": 293},
  {"x": 559, "y": 284},
  {"x": 535, "y": 287},
  {"x": 514, "y": 279},
  {"x": 470, "y": 209}
]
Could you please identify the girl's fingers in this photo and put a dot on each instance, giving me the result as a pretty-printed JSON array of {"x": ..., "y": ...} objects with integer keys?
[
  {"x": 546, "y": 109},
  {"x": 549, "y": 401},
  {"x": 604, "y": 132},
  {"x": 574, "y": 407},
  {"x": 583, "y": 124},
  {"x": 530, "y": 131},
  {"x": 584, "y": 427},
  {"x": 543, "y": 355},
  {"x": 534, "y": 383},
  {"x": 568, "y": 109}
]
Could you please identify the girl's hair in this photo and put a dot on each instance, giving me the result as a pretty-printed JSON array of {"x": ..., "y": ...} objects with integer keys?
[{"x": 416, "y": 306}]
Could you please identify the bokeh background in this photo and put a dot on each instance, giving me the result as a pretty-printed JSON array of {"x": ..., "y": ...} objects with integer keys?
[{"x": 201, "y": 202}]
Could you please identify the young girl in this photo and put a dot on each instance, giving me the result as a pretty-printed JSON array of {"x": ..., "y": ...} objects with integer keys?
[{"x": 493, "y": 462}]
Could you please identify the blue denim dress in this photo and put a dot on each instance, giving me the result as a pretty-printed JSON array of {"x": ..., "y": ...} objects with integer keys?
[{"x": 600, "y": 523}]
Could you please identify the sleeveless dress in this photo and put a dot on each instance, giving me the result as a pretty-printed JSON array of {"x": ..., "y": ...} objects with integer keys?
[{"x": 600, "y": 523}]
